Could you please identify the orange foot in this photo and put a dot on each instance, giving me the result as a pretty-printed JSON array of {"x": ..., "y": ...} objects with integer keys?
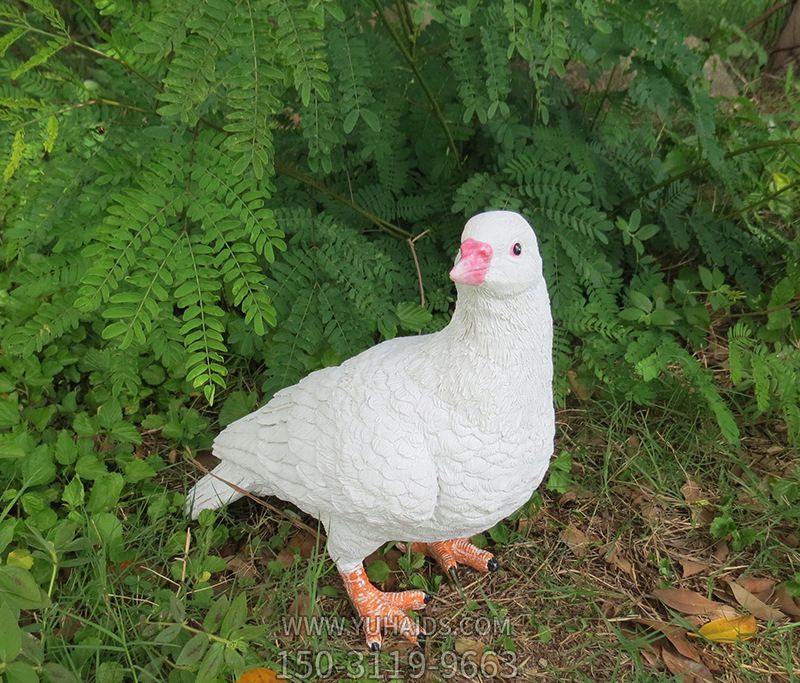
[
  {"x": 379, "y": 610},
  {"x": 449, "y": 554}
]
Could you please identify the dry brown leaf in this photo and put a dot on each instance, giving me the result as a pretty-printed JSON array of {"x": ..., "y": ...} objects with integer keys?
[
  {"x": 676, "y": 635},
  {"x": 304, "y": 543},
  {"x": 689, "y": 602},
  {"x": 721, "y": 551},
  {"x": 617, "y": 559},
  {"x": 400, "y": 646},
  {"x": 285, "y": 557},
  {"x": 651, "y": 657},
  {"x": 753, "y": 605},
  {"x": 691, "y": 491},
  {"x": 688, "y": 670},
  {"x": 259, "y": 675},
  {"x": 577, "y": 541},
  {"x": 490, "y": 664},
  {"x": 579, "y": 389},
  {"x": 756, "y": 585},
  {"x": 791, "y": 539},
  {"x": 469, "y": 648},
  {"x": 691, "y": 567},
  {"x": 787, "y": 603},
  {"x": 241, "y": 566},
  {"x": 569, "y": 497},
  {"x": 300, "y": 607},
  {"x": 727, "y": 630}
]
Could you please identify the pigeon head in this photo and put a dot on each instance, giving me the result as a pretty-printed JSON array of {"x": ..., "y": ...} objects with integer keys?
[{"x": 498, "y": 255}]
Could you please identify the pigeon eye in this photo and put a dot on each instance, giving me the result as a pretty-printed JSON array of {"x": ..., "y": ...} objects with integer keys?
[{"x": 516, "y": 249}]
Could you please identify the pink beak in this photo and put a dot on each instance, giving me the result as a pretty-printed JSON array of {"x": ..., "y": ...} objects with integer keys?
[{"x": 474, "y": 263}]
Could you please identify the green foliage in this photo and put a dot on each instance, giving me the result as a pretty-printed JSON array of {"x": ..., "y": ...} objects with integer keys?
[{"x": 201, "y": 206}]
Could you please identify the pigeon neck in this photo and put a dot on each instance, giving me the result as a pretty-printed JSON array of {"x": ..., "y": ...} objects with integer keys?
[{"x": 519, "y": 325}]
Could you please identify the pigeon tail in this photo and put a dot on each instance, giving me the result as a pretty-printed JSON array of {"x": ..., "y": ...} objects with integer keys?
[{"x": 214, "y": 489}]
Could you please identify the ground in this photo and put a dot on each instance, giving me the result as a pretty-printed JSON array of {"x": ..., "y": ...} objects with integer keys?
[{"x": 636, "y": 498}]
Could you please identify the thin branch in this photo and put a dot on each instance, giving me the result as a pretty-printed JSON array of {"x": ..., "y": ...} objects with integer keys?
[
  {"x": 79, "y": 105},
  {"x": 766, "y": 15},
  {"x": 699, "y": 166},
  {"x": 412, "y": 245},
  {"x": 386, "y": 226},
  {"x": 272, "y": 508},
  {"x": 605, "y": 95},
  {"x": 762, "y": 200},
  {"x": 423, "y": 83},
  {"x": 70, "y": 42}
]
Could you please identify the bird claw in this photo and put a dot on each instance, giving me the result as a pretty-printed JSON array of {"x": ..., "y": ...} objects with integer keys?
[
  {"x": 380, "y": 611},
  {"x": 449, "y": 554}
]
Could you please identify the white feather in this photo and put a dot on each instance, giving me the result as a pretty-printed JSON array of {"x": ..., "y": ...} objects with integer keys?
[{"x": 419, "y": 438}]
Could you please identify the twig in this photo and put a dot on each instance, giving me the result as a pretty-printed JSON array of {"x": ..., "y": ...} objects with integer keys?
[
  {"x": 762, "y": 200},
  {"x": 411, "y": 245},
  {"x": 766, "y": 15},
  {"x": 423, "y": 83},
  {"x": 69, "y": 41},
  {"x": 390, "y": 228},
  {"x": 699, "y": 166},
  {"x": 605, "y": 96},
  {"x": 262, "y": 503}
]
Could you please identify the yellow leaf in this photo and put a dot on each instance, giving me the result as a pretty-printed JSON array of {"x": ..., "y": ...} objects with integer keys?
[
  {"x": 259, "y": 675},
  {"x": 727, "y": 630},
  {"x": 20, "y": 558},
  {"x": 780, "y": 180}
]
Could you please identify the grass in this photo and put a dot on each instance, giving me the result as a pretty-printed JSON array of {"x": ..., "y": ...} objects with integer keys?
[{"x": 579, "y": 566}]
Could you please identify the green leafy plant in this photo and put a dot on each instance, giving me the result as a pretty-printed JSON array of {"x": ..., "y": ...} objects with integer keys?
[{"x": 200, "y": 206}]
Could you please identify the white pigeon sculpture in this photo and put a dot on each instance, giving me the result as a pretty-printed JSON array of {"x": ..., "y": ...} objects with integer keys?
[{"x": 428, "y": 439}]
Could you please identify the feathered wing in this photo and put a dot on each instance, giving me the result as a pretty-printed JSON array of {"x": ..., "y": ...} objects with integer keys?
[{"x": 344, "y": 443}]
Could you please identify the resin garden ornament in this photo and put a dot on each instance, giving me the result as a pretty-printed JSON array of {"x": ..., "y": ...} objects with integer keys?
[{"x": 428, "y": 439}]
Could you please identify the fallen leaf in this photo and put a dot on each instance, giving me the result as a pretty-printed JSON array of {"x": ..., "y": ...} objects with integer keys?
[
  {"x": 490, "y": 664},
  {"x": 753, "y": 605},
  {"x": 576, "y": 540},
  {"x": 651, "y": 657},
  {"x": 755, "y": 585},
  {"x": 727, "y": 630},
  {"x": 691, "y": 491},
  {"x": 304, "y": 543},
  {"x": 620, "y": 562},
  {"x": 633, "y": 442},
  {"x": 470, "y": 649},
  {"x": 691, "y": 567},
  {"x": 721, "y": 551},
  {"x": 259, "y": 675},
  {"x": 241, "y": 567},
  {"x": 676, "y": 635},
  {"x": 791, "y": 539},
  {"x": 285, "y": 557},
  {"x": 786, "y": 602},
  {"x": 689, "y": 602},
  {"x": 400, "y": 646},
  {"x": 568, "y": 497},
  {"x": 577, "y": 387},
  {"x": 688, "y": 670},
  {"x": 301, "y": 607}
]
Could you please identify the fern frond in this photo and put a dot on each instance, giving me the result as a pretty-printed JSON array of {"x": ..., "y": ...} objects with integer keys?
[
  {"x": 134, "y": 218},
  {"x": 197, "y": 293},
  {"x": 301, "y": 45},
  {"x": 250, "y": 98}
]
